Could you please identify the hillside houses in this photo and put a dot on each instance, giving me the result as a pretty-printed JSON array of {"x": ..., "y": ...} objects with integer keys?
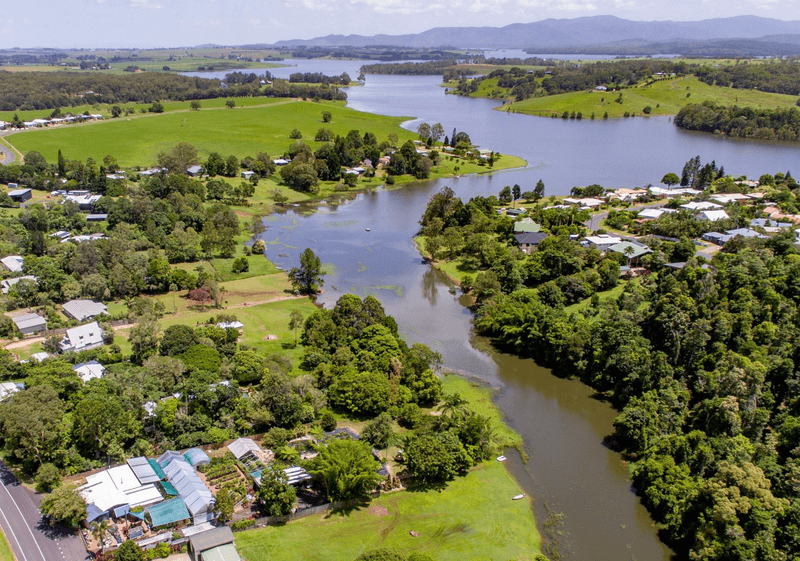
[{"x": 82, "y": 338}]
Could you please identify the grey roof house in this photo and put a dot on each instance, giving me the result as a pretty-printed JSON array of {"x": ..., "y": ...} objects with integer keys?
[
  {"x": 213, "y": 545},
  {"x": 13, "y": 263},
  {"x": 84, "y": 309},
  {"x": 7, "y": 284},
  {"x": 82, "y": 338},
  {"x": 528, "y": 241}
]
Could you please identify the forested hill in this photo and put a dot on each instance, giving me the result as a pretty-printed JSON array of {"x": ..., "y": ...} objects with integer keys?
[
  {"x": 702, "y": 360},
  {"x": 596, "y": 30}
]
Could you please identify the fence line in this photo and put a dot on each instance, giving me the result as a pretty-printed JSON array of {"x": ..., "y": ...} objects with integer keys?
[{"x": 270, "y": 520}]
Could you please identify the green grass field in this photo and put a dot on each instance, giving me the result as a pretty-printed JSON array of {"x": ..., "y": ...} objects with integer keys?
[
  {"x": 241, "y": 131},
  {"x": 665, "y": 97},
  {"x": 473, "y": 518}
]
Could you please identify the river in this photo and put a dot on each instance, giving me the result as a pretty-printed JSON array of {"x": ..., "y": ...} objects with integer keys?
[{"x": 570, "y": 471}]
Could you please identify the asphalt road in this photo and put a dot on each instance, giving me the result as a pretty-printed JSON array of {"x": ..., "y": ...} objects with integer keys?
[
  {"x": 31, "y": 538},
  {"x": 7, "y": 155}
]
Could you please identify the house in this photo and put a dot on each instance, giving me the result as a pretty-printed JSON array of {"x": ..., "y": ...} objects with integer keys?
[
  {"x": 628, "y": 194},
  {"x": 83, "y": 199},
  {"x": 600, "y": 89},
  {"x": 89, "y": 370},
  {"x": 702, "y": 205},
  {"x": 13, "y": 263},
  {"x": 213, "y": 545},
  {"x": 82, "y": 338},
  {"x": 20, "y": 195},
  {"x": 61, "y": 235},
  {"x": 113, "y": 492},
  {"x": 39, "y": 357},
  {"x": 770, "y": 226},
  {"x": 29, "y": 324},
  {"x": 230, "y": 325},
  {"x": 194, "y": 171},
  {"x": 515, "y": 211},
  {"x": 587, "y": 202},
  {"x": 96, "y": 217},
  {"x": 6, "y": 284},
  {"x": 248, "y": 174},
  {"x": 602, "y": 242},
  {"x": 526, "y": 225},
  {"x": 746, "y": 233},
  {"x": 245, "y": 449},
  {"x": 671, "y": 193},
  {"x": 7, "y": 389},
  {"x": 84, "y": 309},
  {"x": 650, "y": 213},
  {"x": 633, "y": 251},
  {"x": 726, "y": 198},
  {"x": 717, "y": 238},
  {"x": 529, "y": 241},
  {"x": 281, "y": 162},
  {"x": 712, "y": 215}
]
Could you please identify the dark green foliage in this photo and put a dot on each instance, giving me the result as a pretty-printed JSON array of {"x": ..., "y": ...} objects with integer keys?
[
  {"x": 745, "y": 122},
  {"x": 129, "y": 551},
  {"x": 382, "y": 554},
  {"x": 307, "y": 279},
  {"x": 48, "y": 477},
  {"x": 432, "y": 458},
  {"x": 200, "y": 357},
  {"x": 177, "y": 339},
  {"x": 379, "y": 431},
  {"x": 64, "y": 506},
  {"x": 240, "y": 265},
  {"x": 328, "y": 421},
  {"x": 361, "y": 393}
]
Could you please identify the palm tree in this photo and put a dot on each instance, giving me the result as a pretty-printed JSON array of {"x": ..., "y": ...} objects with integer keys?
[
  {"x": 99, "y": 530},
  {"x": 453, "y": 405}
]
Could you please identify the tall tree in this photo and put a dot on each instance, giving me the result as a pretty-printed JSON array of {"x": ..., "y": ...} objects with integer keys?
[
  {"x": 345, "y": 469},
  {"x": 307, "y": 279}
]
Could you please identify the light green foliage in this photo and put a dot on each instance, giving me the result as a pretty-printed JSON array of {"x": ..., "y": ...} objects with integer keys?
[
  {"x": 346, "y": 469},
  {"x": 64, "y": 505},
  {"x": 275, "y": 496}
]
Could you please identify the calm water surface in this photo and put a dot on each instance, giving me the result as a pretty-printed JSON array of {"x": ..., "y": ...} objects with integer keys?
[{"x": 569, "y": 471}]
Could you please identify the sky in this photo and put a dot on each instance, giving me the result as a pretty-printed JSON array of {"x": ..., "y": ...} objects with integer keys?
[{"x": 183, "y": 23}]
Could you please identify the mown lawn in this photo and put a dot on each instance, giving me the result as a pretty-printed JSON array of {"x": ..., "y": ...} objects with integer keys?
[
  {"x": 5, "y": 549},
  {"x": 472, "y": 518},
  {"x": 665, "y": 97}
]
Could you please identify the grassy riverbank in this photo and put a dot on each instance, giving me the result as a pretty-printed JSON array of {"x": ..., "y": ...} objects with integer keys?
[
  {"x": 473, "y": 517},
  {"x": 664, "y": 97}
]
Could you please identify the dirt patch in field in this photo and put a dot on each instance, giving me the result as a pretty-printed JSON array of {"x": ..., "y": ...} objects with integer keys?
[{"x": 378, "y": 510}]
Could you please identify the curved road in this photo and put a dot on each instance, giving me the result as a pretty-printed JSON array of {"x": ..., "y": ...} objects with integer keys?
[
  {"x": 28, "y": 534},
  {"x": 7, "y": 155}
]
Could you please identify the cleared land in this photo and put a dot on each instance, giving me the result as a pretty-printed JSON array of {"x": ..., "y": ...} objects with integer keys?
[{"x": 665, "y": 97}]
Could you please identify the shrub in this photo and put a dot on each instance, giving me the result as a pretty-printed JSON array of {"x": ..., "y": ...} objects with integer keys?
[
  {"x": 647, "y": 110},
  {"x": 328, "y": 422}
]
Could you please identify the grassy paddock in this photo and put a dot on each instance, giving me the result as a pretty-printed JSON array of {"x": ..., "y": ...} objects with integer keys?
[
  {"x": 241, "y": 131},
  {"x": 473, "y": 518},
  {"x": 665, "y": 97},
  {"x": 5, "y": 549}
]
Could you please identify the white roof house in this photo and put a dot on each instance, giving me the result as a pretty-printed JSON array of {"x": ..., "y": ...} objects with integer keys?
[
  {"x": 89, "y": 370},
  {"x": 82, "y": 338},
  {"x": 9, "y": 388},
  {"x": 116, "y": 487},
  {"x": 39, "y": 357},
  {"x": 13, "y": 263},
  {"x": 6, "y": 284},
  {"x": 702, "y": 205},
  {"x": 650, "y": 213},
  {"x": 712, "y": 215},
  {"x": 230, "y": 325},
  {"x": 602, "y": 241},
  {"x": 84, "y": 309}
]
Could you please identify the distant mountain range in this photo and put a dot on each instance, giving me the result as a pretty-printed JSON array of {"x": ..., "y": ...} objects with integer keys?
[{"x": 589, "y": 34}]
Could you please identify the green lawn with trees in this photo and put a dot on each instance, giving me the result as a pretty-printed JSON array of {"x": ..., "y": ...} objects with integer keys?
[{"x": 473, "y": 518}]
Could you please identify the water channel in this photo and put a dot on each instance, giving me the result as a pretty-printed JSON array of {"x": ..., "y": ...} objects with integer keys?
[{"x": 569, "y": 470}]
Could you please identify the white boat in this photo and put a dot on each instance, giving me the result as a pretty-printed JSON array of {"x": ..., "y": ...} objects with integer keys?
[
  {"x": 501, "y": 458},
  {"x": 518, "y": 497},
  {"x": 367, "y": 229}
]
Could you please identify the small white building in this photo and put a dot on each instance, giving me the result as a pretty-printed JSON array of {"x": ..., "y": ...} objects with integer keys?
[
  {"x": 13, "y": 263},
  {"x": 89, "y": 370},
  {"x": 28, "y": 324},
  {"x": 701, "y": 205},
  {"x": 602, "y": 242},
  {"x": 82, "y": 338}
]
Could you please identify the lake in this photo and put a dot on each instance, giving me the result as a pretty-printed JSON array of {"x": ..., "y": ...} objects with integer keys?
[{"x": 569, "y": 472}]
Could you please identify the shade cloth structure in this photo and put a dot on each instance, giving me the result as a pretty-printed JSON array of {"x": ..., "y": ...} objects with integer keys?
[
  {"x": 157, "y": 468},
  {"x": 168, "y": 512},
  {"x": 169, "y": 489},
  {"x": 165, "y": 458},
  {"x": 190, "y": 487}
]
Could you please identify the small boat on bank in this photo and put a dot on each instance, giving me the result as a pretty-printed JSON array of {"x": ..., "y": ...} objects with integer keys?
[
  {"x": 518, "y": 497},
  {"x": 501, "y": 458},
  {"x": 367, "y": 229}
]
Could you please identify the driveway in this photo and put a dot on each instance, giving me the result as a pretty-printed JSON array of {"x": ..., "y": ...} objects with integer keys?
[{"x": 30, "y": 537}]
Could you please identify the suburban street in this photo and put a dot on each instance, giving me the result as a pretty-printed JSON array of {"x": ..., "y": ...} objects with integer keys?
[{"x": 29, "y": 535}]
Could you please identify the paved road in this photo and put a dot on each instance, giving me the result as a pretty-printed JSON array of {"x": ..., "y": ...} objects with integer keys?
[
  {"x": 30, "y": 537},
  {"x": 7, "y": 155}
]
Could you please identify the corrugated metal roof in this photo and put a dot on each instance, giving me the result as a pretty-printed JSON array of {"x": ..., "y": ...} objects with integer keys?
[
  {"x": 169, "y": 489},
  {"x": 243, "y": 446},
  {"x": 143, "y": 470},
  {"x": 225, "y": 552}
]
